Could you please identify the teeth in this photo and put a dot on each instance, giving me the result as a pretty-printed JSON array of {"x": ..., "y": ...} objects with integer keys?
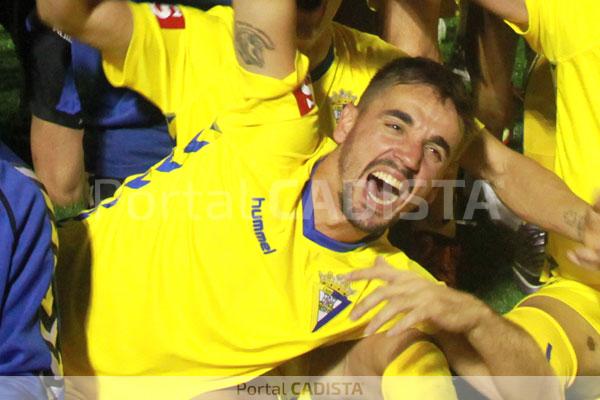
[
  {"x": 377, "y": 200},
  {"x": 390, "y": 180}
]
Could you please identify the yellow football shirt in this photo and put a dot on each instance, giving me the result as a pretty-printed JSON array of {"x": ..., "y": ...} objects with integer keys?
[
  {"x": 209, "y": 264},
  {"x": 167, "y": 60},
  {"x": 539, "y": 114},
  {"x": 567, "y": 34}
]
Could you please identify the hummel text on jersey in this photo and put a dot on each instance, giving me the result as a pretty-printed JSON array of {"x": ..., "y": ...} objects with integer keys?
[{"x": 258, "y": 225}]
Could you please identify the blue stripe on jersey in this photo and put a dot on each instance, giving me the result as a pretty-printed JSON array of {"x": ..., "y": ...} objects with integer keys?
[
  {"x": 110, "y": 203},
  {"x": 168, "y": 165},
  {"x": 195, "y": 145},
  {"x": 549, "y": 351},
  {"x": 26, "y": 268},
  {"x": 138, "y": 182}
]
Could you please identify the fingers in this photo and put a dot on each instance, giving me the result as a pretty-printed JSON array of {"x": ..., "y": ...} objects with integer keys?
[
  {"x": 372, "y": 300},
  {"x": 407, "y": 288},
  {"x": 388, "y": 313},
  {"x": 400, "y": 289},
  {"x": 411, "y": 319}
]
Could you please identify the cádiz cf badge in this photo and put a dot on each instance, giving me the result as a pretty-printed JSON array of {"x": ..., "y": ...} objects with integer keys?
[
  {"x": 338, "y": 102},
  {"x": 333, "y": 297}
]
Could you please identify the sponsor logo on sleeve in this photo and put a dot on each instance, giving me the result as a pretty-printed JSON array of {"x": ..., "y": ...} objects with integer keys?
[
  {"x": 305, "y": 98},
  {"x": 168, "y": 16}
]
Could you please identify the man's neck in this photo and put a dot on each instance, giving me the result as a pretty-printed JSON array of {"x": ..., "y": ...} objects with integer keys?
[
  {"x": 317, "y": 52},
  {"x": 328, "y": 216}
]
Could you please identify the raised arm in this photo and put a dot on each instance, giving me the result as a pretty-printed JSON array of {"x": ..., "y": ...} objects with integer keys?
[
  {"x": 534, "y": 193},
  {"x": 265, "y": 36},
  {"x": 105, "y": 25}
]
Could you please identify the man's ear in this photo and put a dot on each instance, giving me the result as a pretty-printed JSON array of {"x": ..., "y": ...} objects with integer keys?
[{"x": 346, "y": 123}]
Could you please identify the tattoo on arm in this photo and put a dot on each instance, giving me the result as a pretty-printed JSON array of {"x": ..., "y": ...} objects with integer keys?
[
  {"x": 251, "y": 43},
  {"x": 576, "y": 221}
]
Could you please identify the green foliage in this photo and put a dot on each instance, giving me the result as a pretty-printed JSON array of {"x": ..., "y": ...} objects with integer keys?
[{"x": 10, "y": 85}]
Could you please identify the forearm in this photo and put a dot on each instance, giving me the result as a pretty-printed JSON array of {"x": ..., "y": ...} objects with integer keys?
[
  {"x": 512, "y": 10},
  {"x": 69, "y": 16},
  {"x": 490, "y": 53},
  {"x": 57, "y": 153},
  {"x": 543, "y": 199},
  {"x": 508, "y": 351},
  {"x": 534, "y": 193},
  {"x": 412, "y": 26},
  {"x": 105, "y": 25}
]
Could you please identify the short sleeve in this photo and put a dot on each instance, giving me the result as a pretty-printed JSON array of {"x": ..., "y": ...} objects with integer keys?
[
  {"x": 274, "y": 123},
  {"x": 170, "y": 49},
  {"x": 560, "y": 29}
]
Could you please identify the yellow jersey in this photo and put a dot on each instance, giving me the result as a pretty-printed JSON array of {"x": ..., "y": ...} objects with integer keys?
[
  {"x": 209, "y": 264},
  {"x": 160, "y": 54},
  {"x": 567, "y": 34},
  {"x": 539, "y": 114}
]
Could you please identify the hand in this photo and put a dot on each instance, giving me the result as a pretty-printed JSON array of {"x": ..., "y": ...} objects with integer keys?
[
  {"x": 421, "y": 300},
  {"x": 589, "y": 255}
]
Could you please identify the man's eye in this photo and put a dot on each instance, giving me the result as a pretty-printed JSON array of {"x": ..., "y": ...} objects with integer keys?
[
  {"x": 434, "y": 152},
  {"x": 395, "y": 127}
]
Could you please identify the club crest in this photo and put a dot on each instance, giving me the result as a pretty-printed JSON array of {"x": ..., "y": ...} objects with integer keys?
[
  {"x": 338, "y": 102},
  {"x": 333, "y": 297}
]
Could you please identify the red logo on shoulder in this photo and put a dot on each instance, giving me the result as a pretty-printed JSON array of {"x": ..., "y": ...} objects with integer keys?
[
  {"x": 168, "y": 16},
  {"x": 305, "y": 98}
]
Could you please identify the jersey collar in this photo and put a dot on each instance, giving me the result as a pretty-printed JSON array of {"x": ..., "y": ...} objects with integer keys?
[{"x": 320, "y": 70}]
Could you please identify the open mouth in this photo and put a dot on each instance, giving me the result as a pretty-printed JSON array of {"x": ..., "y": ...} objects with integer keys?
[{"x": 383, "y": 188}]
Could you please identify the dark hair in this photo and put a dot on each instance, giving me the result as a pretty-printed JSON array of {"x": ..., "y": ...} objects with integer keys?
[{"x": 419, "y": 70}]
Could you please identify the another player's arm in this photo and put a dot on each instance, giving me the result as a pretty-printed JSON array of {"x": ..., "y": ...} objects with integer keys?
[
  {"x": 57, "y": 153},
  {"x": 512, "y": 10},
  {"x": 531, "y": 191},
  {"x": 265, "y": 36},
  {"x": 411, "y": 26},
  {"x": 105, "y": 25}
]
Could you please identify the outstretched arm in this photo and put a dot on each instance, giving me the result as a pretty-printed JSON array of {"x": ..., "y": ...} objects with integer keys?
[
  {"x": 265, "y": 36},
  {"x": 535, "y": 194},
  {"x": 504, "y": 348},
  {"x": 105, "y": 25}
]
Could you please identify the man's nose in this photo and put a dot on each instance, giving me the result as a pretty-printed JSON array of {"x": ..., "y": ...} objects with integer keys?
[{"x": 411, "y": 155}]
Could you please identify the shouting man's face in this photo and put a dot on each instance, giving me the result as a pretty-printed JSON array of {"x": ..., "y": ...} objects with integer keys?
[{"x": 391, "y": 151}]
